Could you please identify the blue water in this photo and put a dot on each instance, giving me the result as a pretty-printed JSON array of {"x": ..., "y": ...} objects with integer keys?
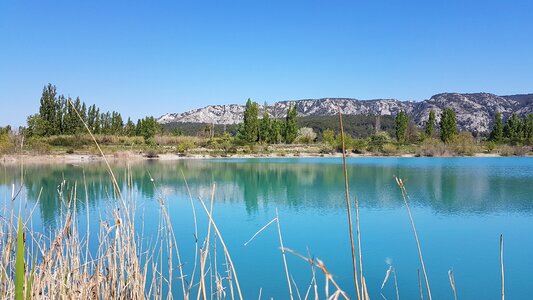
[{"x": 460, "y": 207}]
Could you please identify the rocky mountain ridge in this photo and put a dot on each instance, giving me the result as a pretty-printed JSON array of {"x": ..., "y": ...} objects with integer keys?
[{"x": 475, "y": 112}]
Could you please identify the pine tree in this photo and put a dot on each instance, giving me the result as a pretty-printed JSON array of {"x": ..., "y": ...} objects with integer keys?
[
  {"x": 401, "y": 124},
  {"x": 496, "y": 134},
  {"x": 448, "y": 125},
  {"x": 430, "y": 124},
  {"x": 513, "y": 129},
  {"x": 291, "y": 126},
  {"x": 529, "y": 128}
]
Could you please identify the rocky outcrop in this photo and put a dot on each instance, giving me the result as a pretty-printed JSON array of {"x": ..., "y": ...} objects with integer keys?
[{"x": 475, "y": 112}]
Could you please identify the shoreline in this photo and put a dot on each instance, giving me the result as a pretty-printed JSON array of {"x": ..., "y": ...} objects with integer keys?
[{"x": 129, "y": 156}]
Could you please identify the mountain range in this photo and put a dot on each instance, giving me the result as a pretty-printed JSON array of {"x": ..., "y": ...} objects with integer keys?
[{"x": 475, "y": 112}]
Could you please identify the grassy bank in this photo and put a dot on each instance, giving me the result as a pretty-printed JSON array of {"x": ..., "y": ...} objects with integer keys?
[{"x": 226, "y": 146}]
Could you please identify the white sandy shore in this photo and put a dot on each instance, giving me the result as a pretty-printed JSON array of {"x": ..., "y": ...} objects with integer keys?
[{"x": 130, "y": 156}]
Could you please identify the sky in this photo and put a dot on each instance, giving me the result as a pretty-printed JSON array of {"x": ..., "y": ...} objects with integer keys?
[{"x": 153, "y": 57}]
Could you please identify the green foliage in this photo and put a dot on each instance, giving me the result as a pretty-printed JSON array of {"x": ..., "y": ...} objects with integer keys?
[
  {"x": 291, "y": 126},
  {"x": 358, "y": 126},
  {"x": 514, "y": 129},
  {"x": 401, "y": 122},
  {"x": 328, "y": 137},
  {"x": 378, "y": 141},
  {"x": 496, "y": 134},
  {"x": 464, "y": 144},
  {"x": 37, "y": 145},
  {"x": 528, "y": 134},
  {"x": 147, "y": 128},
  {"x": 430, "y": 124},
  {"x": 249, "y": 130},
  {"x": 19, "y": 263},
  {"x": 6, "y": 142},
  {"x": 448, "y": 125},
  {"x": 265, "y": 128},
  {"x": 276, "y": 132}
]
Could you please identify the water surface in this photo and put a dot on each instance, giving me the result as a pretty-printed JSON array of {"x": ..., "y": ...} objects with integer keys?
[{"x": 460, "y": 207}]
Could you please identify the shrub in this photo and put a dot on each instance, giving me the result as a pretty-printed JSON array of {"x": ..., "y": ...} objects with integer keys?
[
  {"x": 305, "y": 135},
  {"x": 463, "y": 144},
  {"x": 37, "y": 145},
  {"x": 432, "y": 147},
  {"x": 6, "y": 144},
  {"x": 378, "y": 140},
  {"x": 151, "y": 153}
]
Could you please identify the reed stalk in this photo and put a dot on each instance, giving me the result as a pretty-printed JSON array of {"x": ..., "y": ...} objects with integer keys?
[
  {"x": 404, "y": 195},
  {"x": 501, "y": 265},
  {"x": 349, "y": 211}
]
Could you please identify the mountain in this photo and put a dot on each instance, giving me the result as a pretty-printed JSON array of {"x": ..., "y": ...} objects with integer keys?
[{"x": 475, "y": 112}]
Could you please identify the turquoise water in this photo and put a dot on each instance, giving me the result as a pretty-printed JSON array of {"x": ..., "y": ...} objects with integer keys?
[{"x": 460, "y": 207}]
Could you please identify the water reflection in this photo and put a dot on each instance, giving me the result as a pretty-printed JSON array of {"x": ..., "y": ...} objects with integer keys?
[{"x": 448, "y": 186}]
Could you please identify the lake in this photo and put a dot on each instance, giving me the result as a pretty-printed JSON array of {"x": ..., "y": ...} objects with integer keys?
[{"x": 460, "y": 207}]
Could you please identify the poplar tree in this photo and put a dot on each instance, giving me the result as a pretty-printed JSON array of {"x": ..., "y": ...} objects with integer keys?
[
  {"x": 448, "y": 125},
  {"x": 291, "y": 126},
  {"x": 496, "y": 134},
  {"x": 276, "y": 132},
  {"x": 264, "y": 127},
  {"x": 249, "y": 129},
  {"x": 401, "y": 124},
  {"x": 430, "y": 124}
]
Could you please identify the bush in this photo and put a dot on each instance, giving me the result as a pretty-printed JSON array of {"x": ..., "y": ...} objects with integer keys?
[
  {"x": 305, "y": 135},
  {"x": 507, "y": 150},
  {"x": 378, "y": 140},
  {"x": 37, "y": 145},
  {"x": 463, "y": 144},
  {"x": 6, "y": 144},
  {"x": 432, "y": 147},
  {"x": 151, "y": 153},
  {"x": 70, "y": 151}
]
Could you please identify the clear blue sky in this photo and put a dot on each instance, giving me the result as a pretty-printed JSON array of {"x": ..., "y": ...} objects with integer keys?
[{"x": 152, "y": 57}]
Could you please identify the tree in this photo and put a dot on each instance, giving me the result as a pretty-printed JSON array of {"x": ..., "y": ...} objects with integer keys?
[
  {"x": 328, "y": 137},
  {"x": 496, "y": 134},
  {"x": 129, "y": 129},
  {"x": 291, "y": 125},
  {"x": 117, "y": 125},
  {"x": 276, "y": 132},
  {"x": 306, "y": 135},
  {"x": 147, "y": 128},
  {"x": 47, "y": 112},
  {"x": 430, "y": 124},
  {"x": 402, "y": 122},
  {"x": 249, "y": 130},
  {"x": 448, "y": 125},
  {"x": 264, "y": 127},
  {"x": 529, "y": 128},
  {"x": 513, "y": 129}
]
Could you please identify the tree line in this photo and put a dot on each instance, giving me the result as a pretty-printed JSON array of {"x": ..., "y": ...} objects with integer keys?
[
  {"x": 267, "y": 130},
  {"x": 59, "y": 115},
  {"x": 516, "y": 130},
  {"x": 447, "y": 125}
]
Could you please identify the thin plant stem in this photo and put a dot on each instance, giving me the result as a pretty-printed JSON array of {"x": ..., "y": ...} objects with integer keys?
[{"x": 349, "y": 210}]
